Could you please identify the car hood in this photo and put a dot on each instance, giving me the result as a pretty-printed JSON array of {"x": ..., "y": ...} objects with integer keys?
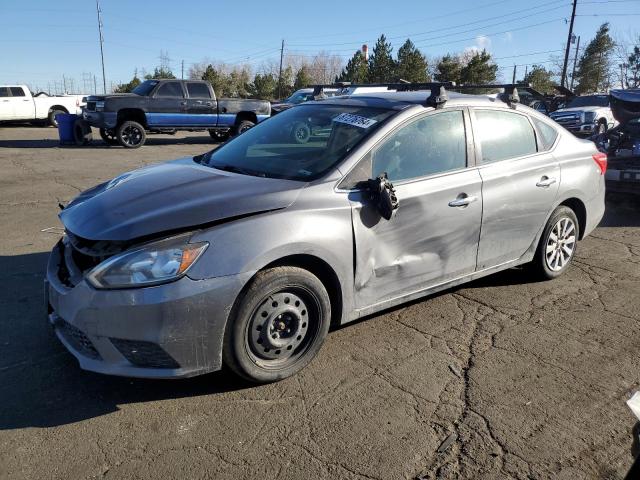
[
  {"x": 169, "y": 197},
  {"x": 577, "y": 109},
  {"x": 97, "y": 98}
]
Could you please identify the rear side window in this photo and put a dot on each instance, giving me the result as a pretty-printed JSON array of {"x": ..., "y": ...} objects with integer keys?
[
  {"x": 548, "y": 134},
  {"x": 432, "y": 144},
  {"x": 504, "y": 135},
  {"x": 17, "y": 91},
  {"x": 4, "y": 92},
  {"x": 170, "y": 89},
  {"x": 198, "y": 90}
]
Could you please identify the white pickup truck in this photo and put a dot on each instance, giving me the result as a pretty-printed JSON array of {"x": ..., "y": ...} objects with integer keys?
[{"x": 18, "y": 104}]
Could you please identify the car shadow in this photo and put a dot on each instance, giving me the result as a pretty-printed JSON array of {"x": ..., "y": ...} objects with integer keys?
[
  {"x": 42, "y": 384},
  {"x": 622, "y": 210}
]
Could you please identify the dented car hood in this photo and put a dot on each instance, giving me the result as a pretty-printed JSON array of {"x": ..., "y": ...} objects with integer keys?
[{"x": 169, "y": 197}]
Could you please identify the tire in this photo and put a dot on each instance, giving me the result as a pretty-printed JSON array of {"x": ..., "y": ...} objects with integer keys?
[
  {"x": 277, "y": 325},
  {"x": 52, "y": 117},
  {"x": 602, "y": 128},
  {"x": 131, "y": 134},
  {"x": 243, "y": 126},
  {"x": 82, "y": 133},
  {"x": 219, "y": 136},
  {"x": 301, "y": 132},
  {"x": 108, "y": 136},
  {"x": 552, "y": 258}
]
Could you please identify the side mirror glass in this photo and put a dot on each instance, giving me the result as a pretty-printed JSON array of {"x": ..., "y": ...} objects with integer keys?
[{"x": 384, "y": 195}]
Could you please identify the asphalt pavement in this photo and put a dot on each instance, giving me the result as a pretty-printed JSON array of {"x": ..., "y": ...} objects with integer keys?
[{"x": 500, "y": 378}]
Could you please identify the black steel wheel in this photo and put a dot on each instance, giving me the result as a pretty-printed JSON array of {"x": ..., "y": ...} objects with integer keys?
[
  {"x": 131, "y": 134},
  {"x": 301, "y": 132},
  {"x": 108, "y": 136},
  {"x": 278, "y": 325},
  {"x": 243, "y": 126},
  {"x": 219, "y": 136}
]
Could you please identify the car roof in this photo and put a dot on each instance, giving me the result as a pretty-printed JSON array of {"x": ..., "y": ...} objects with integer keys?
[{"x": 401, "y": 100}]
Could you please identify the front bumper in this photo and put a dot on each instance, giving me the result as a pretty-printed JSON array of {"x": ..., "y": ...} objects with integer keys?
[
  {"x": 166, "y": 331},
  {"x": 106, "y": 120}
]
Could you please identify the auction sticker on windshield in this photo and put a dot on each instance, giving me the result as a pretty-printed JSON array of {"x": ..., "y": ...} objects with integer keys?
[{"x": 354, "y": 120}]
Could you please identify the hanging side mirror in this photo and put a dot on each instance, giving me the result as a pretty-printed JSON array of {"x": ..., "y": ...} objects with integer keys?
[{"x": 383, "y": 195}]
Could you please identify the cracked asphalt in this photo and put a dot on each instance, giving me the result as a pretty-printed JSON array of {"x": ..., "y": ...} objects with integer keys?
[{"x": 501, "y": 378}]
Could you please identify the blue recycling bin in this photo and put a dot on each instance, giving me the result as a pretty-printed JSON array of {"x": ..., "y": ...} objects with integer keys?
[{"x": 66, "y": 122}]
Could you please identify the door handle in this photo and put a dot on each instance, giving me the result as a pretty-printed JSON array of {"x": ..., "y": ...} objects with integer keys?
[
  {"x": 463, "y": 200},
  {"x": 546, "y": 182},
  {"x": 26, "y": 100}
]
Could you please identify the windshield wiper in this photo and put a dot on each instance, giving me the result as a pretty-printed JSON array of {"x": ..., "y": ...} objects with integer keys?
[{"x": 242, "y": 171}]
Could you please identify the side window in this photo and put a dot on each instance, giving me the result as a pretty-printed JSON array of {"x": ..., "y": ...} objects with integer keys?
[
  {"x": 170, "y": 89},
  {"x": 504, "y": 135},
  {"x": 548, "y": 134},
  {"x": 198, "y": 90},
  {"x": 4, "y": 92},
  {"x": 432, "y": 144},
  {"x": 17, "y": 92}
]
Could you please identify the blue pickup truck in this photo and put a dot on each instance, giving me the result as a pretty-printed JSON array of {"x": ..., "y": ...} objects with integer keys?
[{"x": 164, "y": 106}]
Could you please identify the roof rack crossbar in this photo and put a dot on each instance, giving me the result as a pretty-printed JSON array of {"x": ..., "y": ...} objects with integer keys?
[{"x": 510, "y": 94}]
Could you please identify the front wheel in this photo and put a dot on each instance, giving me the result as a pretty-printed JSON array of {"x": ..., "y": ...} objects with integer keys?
[
  {"x": 108, "y": 136},
  {"x": 557, "y": 245},
  {"x": 52, "y": 117},
  {"x": 277, "y": 325},
  {"x": 243, "y": 126},
  {"x": 131, "y": 134},
  {"x": 602, "y": 128}
]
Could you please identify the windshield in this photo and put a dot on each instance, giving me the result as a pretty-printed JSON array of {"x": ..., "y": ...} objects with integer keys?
[
  {"x": 589, "y": 101},
  {"x": 302, "y": 143},
  {"x": 145, "y": 87},
  {"x": 299, "y": 97}
]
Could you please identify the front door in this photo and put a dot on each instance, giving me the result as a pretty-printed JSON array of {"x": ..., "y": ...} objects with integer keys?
[
  {"x": 201, "y": 107},
  {"x": 520, "y": 184},
  {"x": 168, "y": 107},
  {"x": 23, "y": 106},
  {"x": 433, "y": 236}
]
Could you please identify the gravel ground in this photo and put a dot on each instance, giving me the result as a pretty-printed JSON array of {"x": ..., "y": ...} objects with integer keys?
[{"x": 518, "y": 379}]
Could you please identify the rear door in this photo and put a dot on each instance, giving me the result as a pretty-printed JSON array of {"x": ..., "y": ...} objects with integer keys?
[
  {"x": 6, "y": 107},
  {"x": 433, "y": 236},
  {"x": 168, "y": 107},
  {"x": 201, "y": 106},
  {"x": 23, "y": 105},
  {"x": 520, "y": 179}
]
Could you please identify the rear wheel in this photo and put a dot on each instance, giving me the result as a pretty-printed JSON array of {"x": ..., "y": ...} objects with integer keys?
[
  {"x": 108, "y": 136},
  {"x": 52, "y": 117},
  {"x": 243, "y": 126},
  {"x": 131, "y": 134},
  {"x": 557, "y": 245},
  {"x": 301, "y": 132},
  {"x": 602, "y": 128},
  {"x": 277, "y": 325}
]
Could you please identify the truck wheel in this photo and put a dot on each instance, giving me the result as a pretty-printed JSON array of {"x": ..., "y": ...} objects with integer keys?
[
  {"x": 131, "y": 134},
  {"x": 243, "y": 126},
  {"x": 301, "y": 132},
  {"x": 277, "y": 325},
  {"x": 602, "y": 128},
  {"x": 82, "y": 133},
  {"x": 108, "y": 136},
  {"x": 219, "y": 136},
  {"x": 52, "y": 117}
]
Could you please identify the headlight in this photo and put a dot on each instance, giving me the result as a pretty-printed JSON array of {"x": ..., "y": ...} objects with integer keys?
[
  {"x": 99, "y": 106},
  {"x": 152, "y": 264},
  {"x": 589, "y": 117}
]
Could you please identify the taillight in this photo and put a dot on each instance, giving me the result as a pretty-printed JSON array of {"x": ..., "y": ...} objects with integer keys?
[{"x": 601, "y": 160}]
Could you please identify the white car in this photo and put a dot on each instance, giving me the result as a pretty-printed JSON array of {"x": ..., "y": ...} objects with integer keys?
[{"x": 18, "y": 104}]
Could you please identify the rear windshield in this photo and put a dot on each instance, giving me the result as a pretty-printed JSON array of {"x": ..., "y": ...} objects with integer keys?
[
  {"x": 302, "y": 143},
  {"x": 589, "y": 101},
  {"x": 145, "y": 87}
]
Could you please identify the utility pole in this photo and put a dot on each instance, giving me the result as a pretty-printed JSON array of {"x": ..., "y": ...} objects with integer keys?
[
  {"x": 280, "y": 74},
  {"x": 95, "y": 87},
  {"x": 104, "y": 81},
  {"x": 566, "y": 53},
  {"x": 575, "y": 63},
  {"x": 182, "y": 69},
  {"x": 514, "y": 74}
]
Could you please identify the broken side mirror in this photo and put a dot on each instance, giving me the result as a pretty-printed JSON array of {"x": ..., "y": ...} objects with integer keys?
[{"x": 384, "y": 195}]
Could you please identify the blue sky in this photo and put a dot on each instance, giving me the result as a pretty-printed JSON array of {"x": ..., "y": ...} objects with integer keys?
[{"x": 43, "y": 40}]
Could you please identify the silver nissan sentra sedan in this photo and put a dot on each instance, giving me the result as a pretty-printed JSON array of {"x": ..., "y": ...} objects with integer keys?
[{"x": 329, "y": 211}]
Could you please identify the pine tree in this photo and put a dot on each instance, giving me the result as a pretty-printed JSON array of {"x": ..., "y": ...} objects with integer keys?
[
  {"x": 449, "y": 69},
  {"x": 264, "y": 86},
  {"x": 303, "y": 78},
  {"x": 411, "y": 64},
  {"x": 381, "y": 65},
  {"x": 128, "y": 87},
  {"x": 479, "y": 70},
  {"x": 540, "y": 79},
  {"x": 160, "y": 72},
  {"x": 595, "y": 64},
  {"x": 218, "y": 80},
  {"x": 634, "y": 68},
  {"x": 357, "y": 69}
]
